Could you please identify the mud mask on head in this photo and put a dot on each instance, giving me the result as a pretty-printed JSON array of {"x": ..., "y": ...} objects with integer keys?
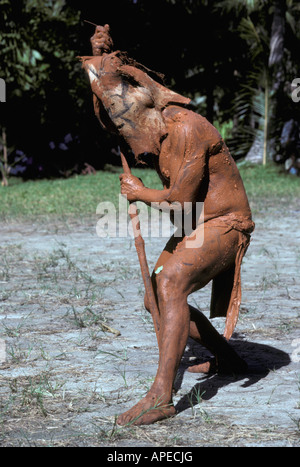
[
  {"x": 133, "y": 112},
  {"x": 132, "y": 100}
]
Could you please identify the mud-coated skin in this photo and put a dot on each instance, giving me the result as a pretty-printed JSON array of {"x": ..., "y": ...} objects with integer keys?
[{"x": 194, "y": 165}]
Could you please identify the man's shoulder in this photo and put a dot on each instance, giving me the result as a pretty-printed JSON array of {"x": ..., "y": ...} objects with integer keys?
[
  {"x": 177, "y": 113},
  {"x": 190, "y": 122}
]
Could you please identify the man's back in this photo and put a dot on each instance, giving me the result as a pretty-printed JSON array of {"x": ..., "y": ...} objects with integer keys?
[{"x": 219, "y": 185}]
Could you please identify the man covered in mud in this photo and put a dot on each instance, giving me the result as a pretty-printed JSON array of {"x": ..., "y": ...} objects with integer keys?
[{"x": 194, "y": 166}]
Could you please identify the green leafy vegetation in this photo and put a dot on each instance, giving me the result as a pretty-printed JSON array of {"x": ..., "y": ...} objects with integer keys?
[
  {"x": 79, "y": 196},
  {"x": 241, "y": 77}
]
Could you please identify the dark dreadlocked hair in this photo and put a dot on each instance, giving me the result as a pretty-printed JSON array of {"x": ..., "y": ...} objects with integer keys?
[{"x": 123, "y": 56}]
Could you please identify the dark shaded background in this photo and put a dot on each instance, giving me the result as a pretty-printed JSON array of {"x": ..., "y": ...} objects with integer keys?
[{"x": 197, "y": 46}]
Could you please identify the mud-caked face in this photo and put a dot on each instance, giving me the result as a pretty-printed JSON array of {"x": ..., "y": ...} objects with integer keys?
[{"x": 131, "y": 108}]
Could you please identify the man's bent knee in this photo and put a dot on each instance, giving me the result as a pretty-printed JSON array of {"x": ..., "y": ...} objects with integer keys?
[{"x": 169, "y": 287}]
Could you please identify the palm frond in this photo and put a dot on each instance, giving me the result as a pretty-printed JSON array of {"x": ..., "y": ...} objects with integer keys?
[
  {"x": 238, "y": 5},
  {"x": 252, "y": 108},
  {"x": 256, "y": 38}
]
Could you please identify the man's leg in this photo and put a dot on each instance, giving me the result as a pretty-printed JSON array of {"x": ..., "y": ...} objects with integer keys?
[
  {"x": 226, "y": 359},
  {"x": 183, "y": 271},
  {"x": 173, "y": 334},
  {"x": 200, "y": 329}
]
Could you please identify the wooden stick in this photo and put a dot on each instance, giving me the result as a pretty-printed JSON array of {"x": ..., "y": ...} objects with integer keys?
[
  {"x": 140, "y": 248},
  {"x": 86, "y": 21}
]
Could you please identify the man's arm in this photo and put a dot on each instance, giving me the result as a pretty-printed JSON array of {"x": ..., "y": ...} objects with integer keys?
[
  {"x": 102, "y": 45},
  {"x": 185, "y": 178},
  {"x": 101, "y": 41}
]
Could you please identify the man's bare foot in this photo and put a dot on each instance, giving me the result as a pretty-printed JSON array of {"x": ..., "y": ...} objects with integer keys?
[
  {"x": 207, "y": 367},
  {"x": 150, "y": 409},
  {"x": 234, "y": 366}
]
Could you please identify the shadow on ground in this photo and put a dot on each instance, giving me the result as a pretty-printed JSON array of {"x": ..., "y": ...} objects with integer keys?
[{"x": 261, "y": 359}]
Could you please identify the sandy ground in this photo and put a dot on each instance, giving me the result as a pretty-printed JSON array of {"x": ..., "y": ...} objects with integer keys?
[{"x": 77, "y": 347}]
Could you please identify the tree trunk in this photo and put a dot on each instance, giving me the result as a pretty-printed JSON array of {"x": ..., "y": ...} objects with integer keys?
[
  {"x": 276, "y": 65},
  {"x": 277, "y": 35}
]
